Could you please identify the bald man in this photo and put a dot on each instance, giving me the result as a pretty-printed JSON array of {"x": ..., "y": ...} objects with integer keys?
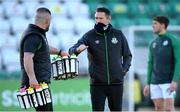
[{"x": 35, "y": 53}]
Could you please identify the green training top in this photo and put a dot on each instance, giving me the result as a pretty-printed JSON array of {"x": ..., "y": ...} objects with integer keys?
[{"x": 164, "y": 59}]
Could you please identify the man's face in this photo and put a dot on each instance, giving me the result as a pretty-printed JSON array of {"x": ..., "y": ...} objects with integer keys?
[
  {"x": 48, "y": 22},
  {"x": 101, "y": 17},
  {"x": 157, "y": 27}
]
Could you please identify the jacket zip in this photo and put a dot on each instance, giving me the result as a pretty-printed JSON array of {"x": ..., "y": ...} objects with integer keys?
[{"x": 107, "y": 61}]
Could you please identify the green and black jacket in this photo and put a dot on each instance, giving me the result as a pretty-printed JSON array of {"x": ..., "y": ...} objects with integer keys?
[
  {"x": 164, "y": 59},
  {"x": 108, "y": 54}
]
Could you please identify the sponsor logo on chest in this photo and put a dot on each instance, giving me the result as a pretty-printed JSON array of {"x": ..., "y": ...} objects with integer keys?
[
  {"x": 165, "y": 43},
  {"x": 114, "y": 40},
  {"x": 97, "y": 41}
]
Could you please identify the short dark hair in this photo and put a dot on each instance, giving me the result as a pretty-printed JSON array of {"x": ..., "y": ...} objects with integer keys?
[
  {"x": 43, "y": 10},
  {"x": 162, "y": 19},
  {"x": 104, "y": 9}
]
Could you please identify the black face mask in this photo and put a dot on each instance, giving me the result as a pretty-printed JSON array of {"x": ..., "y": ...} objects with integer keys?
[{"x": 100, "y": 27}]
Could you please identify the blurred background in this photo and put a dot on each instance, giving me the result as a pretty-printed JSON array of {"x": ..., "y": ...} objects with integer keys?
[{"x": 70, "y": 20}]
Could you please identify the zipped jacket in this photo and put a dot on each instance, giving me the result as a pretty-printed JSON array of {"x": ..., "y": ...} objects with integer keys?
[{"x": 108, "y": 54}]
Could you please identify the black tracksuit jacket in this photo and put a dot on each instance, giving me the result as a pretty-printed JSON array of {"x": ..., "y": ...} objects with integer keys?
[{"x": 108, "y": 54}]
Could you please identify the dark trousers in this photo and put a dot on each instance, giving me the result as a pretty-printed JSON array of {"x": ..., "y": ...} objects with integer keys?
[
  {"x": 48, "y": 107},
  {"x": 113, "y": 93}
]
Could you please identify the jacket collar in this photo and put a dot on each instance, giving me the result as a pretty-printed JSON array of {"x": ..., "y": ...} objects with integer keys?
[
  {"x": 33, "y": 26},
  {"x": 98, "y": 31}
]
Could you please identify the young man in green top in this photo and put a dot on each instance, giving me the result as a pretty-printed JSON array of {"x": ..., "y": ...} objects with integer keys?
[{"x": 163, "y": 66}]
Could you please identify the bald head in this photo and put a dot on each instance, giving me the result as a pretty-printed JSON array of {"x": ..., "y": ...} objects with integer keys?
[{"x": 43, "y": 18}]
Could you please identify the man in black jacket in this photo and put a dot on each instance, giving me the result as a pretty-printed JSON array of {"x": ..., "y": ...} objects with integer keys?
[
  {"x": 35, "y": 54},
  {"x": 109, "y": 59}
]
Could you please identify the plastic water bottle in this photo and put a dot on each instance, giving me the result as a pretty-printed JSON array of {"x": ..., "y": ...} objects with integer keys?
[
  {"x": 40, "y": 95},
  {"x": 25, "y": 98},
  {"x": 20, "y": 100},
  {"x": 66, "y": 62},
  {"x": 59, "y": 66},
  {"x": 46, "y": 92},
  {"x": 73, "y": 60},
  {"x": 54, "y": 68},
  {"x": 32, "y": 97}
]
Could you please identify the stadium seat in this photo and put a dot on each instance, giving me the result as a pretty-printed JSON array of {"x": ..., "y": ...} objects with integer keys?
[
  {"x": 176, "y": 6},
  {"x": 53, "y": 0},
  {"x": 2, "y": 11},
  {"x": 5, "y": 25},
  {"x": 75, "y": 1},
  {"x": 143, "y": 21},
  {"x": 30, "y": 8},
  {"x": 82, "y": 25},
  {"x": 57, "y": 9},
  {"x": 10, "y": 59},
  {"x": 82, "y": 7},
  {"x": 155, "y": 8},
  {"x": 14, "y": 9},
  {"x": 138, "y": 1},
  {"x": 138, "y": 9},
  {"x": 92, "y": 7},
  {"x": 3, "y": 37},
  {"x": 54, "y": 40},
  {"x": 19, "y": 24},
  {"x": 8, "y": 41},
  {"x": 174, "y": 21},
  {"x": 63, "y": 25},
  {"x": 66, "y": 40},
  {"x": 118, "y": 9},
  {"x": 123, "y": 22},
  {"x": 115, "y": 1}
]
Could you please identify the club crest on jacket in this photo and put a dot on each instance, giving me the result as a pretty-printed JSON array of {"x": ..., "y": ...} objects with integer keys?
[{"x": 114, "y": 40}]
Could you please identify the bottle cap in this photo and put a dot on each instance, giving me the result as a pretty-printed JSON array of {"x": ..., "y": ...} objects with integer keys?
[
  {"x": 30, "y": 89},
  {"x": 58, "y": 58},
  {"x": 73, "y": 56},
  {"x": 54, "y": 59},
  {"x": 23, "y": 89},
  {"x": 65, "y": 57},
  {"x": 44, "y": 84},
  {"x": 65, "y": 54},
  {"x": 38, "y": 87}
]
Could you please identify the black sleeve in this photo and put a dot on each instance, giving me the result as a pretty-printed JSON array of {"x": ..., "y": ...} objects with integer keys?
[
  {"x": 127, "y": 56},
  {"x": 82, "y": 40},
  {"x": 32, "y": 43}
]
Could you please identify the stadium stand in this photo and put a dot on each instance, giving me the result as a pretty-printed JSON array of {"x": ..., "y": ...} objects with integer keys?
[{"x": 72, "y": 18}]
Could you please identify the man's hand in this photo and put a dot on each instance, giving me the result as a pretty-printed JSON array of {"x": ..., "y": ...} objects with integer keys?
[
  {"x": 33, "y": 82},
  {"x": 146, "y": 90},
  {"x": 81, "y": 48},
  {"x": 173, "y": 86},
  {"x": 63, "y": 53}
]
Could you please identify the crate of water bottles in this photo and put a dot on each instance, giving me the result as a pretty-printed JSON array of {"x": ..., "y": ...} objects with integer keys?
[
  {"x": 65, "y": 67},
  {"x": 34, "y": 96}
]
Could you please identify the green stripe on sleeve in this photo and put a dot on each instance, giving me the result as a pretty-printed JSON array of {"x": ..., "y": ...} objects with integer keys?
[
  {"x": 39, "y": 46},
  {"x": 176, "y": 49},
  {"x": 150, "y": 64}
]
